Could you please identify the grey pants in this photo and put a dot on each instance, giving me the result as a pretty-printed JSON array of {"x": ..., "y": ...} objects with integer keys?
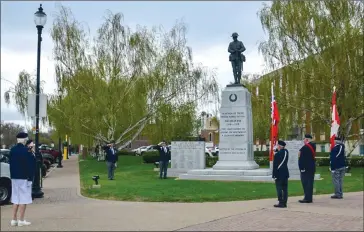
[
  {"x": 337, "y": 180},
  {"x": 110, "y": 170}
]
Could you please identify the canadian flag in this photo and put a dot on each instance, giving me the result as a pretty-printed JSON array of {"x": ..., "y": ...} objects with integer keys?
[
  {"x": 335, "y": 120},
  {"x": 274, "y": 127}
]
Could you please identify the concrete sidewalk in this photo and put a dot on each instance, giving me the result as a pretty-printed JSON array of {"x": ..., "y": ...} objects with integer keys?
[{"x": 63, "y": 209}]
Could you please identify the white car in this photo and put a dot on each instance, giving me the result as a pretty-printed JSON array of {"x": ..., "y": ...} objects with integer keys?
[
  {"x": 208, "y": 152},
  {"x": 139, "y": 150},
  {"x": 5, "y": 183}
]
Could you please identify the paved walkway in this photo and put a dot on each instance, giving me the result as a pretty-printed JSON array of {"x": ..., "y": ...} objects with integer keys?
[{"x": 63, "y": 209}]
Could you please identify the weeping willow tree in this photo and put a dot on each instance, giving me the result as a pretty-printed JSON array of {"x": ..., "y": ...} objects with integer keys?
[
  {"x": 315, "y": 45},
  {"x": 114, "y": 86}
]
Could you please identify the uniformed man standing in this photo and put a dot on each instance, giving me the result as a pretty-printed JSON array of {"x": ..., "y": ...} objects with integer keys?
[
  {"x": 337, "y": 166},
  {"x": 307, "y": 166},
  {"x": 22, "y": 171},
  {"x": 236, "y": 48},
  {"x": 281, "y": 174}
]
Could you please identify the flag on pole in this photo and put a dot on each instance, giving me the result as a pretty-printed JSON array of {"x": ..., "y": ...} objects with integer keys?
[
  {"x": 274, "y": 126},
  {"x": 335, "y": 120}
]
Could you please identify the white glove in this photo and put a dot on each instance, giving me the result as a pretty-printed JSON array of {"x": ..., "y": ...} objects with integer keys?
[
  {"x": 303, "y": 170},
  {"x": 29, "y": 183},
  {"x": 116, "y": 165}
]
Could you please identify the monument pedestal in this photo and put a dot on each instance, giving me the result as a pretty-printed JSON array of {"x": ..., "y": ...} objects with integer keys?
[
  {"x": 236, "y": 154},
  {"x": 235, "y": 165}
]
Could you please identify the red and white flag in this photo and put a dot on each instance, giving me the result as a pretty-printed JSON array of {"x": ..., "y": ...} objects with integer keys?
[
  {"x": 335, "y": 120},
  {"x": 274, "y": 126}
]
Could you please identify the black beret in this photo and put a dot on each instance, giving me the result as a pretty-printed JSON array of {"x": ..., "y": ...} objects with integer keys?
[
  {"x": 22, "y": 135},
  {"x": 111, "y": 142},
  {"x": 308, "y": 136},
  {"x": 281, "y": 143},
  {"x": 29, "y": 142},
  {"x": 337, "y": 138}
]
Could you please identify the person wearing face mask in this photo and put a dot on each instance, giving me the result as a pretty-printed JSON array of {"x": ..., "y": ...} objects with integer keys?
[
  {"x": 111, "y": 160},
  {"x": 307, "y": 166},
  {"x": 281, "y": 174},
  {"x": 22, "y": 170},
  {"x": 163, "y": 158}
]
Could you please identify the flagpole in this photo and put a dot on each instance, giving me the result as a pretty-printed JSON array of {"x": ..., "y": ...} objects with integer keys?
[{"x": 271, "y": 131}]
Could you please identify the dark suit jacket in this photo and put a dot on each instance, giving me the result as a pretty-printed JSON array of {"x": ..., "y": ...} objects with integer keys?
[
  {"x": 163, "y": 156},
  {"x": 22, "y": 163},
  {"x": 280, "y": 167},
  {"x": 306, "y": 161},
  {"x": 111, "y": 156}
]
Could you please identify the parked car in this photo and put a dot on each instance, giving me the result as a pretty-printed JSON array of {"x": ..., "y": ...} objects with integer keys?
[
  {"x": 47, "y": 149},
  {"x": 5, "y": 183},
  {"x": 139, "y": 150},
  {"x": 48, "y": 157},
  {"x": 147, "y": 149},
  {"x": 208, "y": 152},
  {"x": 4, "y": 155}
]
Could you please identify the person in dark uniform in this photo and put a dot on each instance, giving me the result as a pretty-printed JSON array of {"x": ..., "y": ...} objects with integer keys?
[
  {"x": 22, "y": 170},
  {"x": 111, "y": 159},
  {"x": 337, "y": 167},
  {"x": 307, "y": 166},
  {"x": 281, "y": 174},
  {"x": 163, "y": 158}
]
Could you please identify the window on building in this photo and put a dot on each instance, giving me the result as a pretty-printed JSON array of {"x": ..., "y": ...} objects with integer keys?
[
  {"x": 210, "y": 123},
  {"x": 361, "y": 149},
  {"x": 323, "y": 148},
  {"x": 210, "y": 137}
]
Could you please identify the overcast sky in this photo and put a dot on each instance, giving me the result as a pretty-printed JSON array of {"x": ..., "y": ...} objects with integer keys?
[{"x": 210, "y": 25}]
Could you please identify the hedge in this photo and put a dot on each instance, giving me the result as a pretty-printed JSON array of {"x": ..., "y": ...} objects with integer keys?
[
  {"x": 151, "y": 157},
  {"x": 124, "y": 152}
]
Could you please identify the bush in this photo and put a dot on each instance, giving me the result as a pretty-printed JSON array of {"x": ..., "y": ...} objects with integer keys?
[
  {"x": 261, "y": 153},
  {"x": 125, "y": 152},
  {"x": 211, "y": 161},
  {"x": 355, "y": 161},
  {"x": 322, "y": 154},
  {"x": 150, "y": 157}
]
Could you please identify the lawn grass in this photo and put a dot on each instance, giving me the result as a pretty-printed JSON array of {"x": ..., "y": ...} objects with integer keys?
[{"x": 135, "y": 181}]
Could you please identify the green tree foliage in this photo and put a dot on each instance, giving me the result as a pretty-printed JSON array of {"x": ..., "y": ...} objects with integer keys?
[
  {"x": 18, "y": 93},
  {"x": 316, "y": 45},
  {"x": 117, "y": 83},
  {"x": 9, "y": 132}
]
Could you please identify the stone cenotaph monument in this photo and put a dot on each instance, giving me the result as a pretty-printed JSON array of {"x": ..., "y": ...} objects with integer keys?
[{"x": 236, "y": 154}]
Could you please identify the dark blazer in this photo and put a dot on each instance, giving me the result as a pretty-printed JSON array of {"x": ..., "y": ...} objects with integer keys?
[
  {"x": 111, "y": 156},
  {"x": 22, "y": 163},
  {"x": 163, "y": 156},
  {"x": 337, "y": 157},
  {"x": 306, "y": 161},
  {"x": 280, "y": 167}
]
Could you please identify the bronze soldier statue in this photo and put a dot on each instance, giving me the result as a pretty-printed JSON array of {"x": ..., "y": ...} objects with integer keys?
[{"x": 236, "y": 57}]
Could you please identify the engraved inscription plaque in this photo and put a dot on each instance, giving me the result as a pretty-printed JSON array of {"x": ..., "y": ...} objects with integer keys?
[{"x": 188, "y": 155}]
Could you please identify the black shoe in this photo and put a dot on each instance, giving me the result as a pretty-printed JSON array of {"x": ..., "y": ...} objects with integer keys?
[
  {"x": 336, "y": 197},
  {"x": 280, "y": 206},
  {"x": 165, "y": 177},
  {"x": 304, "y": 201}
]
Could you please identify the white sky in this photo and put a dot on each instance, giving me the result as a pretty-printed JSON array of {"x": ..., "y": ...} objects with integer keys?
[{"x": 18, "y": 47}]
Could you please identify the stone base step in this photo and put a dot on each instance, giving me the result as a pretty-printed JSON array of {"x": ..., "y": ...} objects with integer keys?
[
  {"x": 210, "y": 171},
  {"x": 225, "y": 178}
]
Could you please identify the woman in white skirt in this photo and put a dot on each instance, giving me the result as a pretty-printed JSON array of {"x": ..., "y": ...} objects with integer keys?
[{"x": 22, "y": 168}]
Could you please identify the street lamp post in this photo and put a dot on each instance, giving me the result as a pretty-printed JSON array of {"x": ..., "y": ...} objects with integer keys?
[
  {"x": 60, "y": 139},
  {"x": 40, "y": 19}
]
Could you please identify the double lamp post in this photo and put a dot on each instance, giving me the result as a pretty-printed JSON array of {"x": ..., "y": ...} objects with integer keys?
[{"x": 40, "y": 19}]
